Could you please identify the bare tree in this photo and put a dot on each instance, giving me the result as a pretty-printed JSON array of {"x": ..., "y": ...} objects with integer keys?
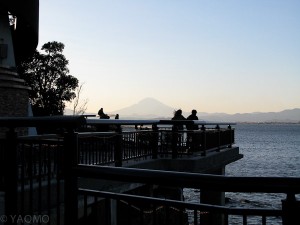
[{"x": 79, "y": 105}]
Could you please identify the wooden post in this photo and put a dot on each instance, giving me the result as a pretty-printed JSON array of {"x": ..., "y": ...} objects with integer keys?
[
  {"x": 11, "y": 176},
  {"x": 154, "y": 141},
  {"x": 291, "y": 209},
  {"x": 174, "y": 141},
  {"x": 203, "y": 140},
  {"x": 71, "y": 184},
  {"x": 230, "y": 136},
  {"x": 118, "y": 150},
  {"x": 219, "y": 137}
]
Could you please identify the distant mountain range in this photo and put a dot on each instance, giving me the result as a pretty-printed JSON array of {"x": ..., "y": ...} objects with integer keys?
[{"x": 150, "y": 108}]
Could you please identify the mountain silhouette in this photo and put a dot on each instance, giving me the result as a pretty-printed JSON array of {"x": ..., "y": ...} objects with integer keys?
[
  {"x": 146, "y": 109},
  {"x": 150, "y": 108}
]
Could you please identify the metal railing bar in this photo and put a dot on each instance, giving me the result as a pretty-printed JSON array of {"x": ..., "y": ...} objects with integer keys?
[
  {"x": 50, "y": 121},
  {"x": 192, "y": 180},
  {"x": 121, "y": 122},
  {"x": 181, "y": 204}
]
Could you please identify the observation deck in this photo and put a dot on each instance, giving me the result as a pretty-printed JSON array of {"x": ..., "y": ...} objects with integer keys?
[{"x": 117, "y": 171}]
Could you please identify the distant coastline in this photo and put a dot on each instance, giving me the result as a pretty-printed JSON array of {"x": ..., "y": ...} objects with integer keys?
[
  {"x": 277, "y": 123},
  {"x": 150, "y": 108}
]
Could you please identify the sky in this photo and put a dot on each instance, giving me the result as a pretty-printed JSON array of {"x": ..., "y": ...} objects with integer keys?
[{"x": 230, "y": 56}]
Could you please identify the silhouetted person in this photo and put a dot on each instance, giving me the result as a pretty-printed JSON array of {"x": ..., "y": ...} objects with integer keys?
[
  {"x": 193, "y": 116},
  {"x": 102, "y": 115},
  {"x": 102, "y": 127},
  {"x": 176, "y": 136},
  {"x": 117, "y": 116},
  {"x": 192, "y": 142},
  {"x": 178, "y": 116}
]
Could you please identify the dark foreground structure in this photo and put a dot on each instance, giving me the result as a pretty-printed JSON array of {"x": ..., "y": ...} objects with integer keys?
[
  {"x": 19, "y": 21},
  {"x": 134, "y": 173}
]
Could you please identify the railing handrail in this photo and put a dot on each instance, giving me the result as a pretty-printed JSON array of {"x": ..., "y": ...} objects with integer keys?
[
  {"x": 193, "y": 180},
  {"x": 182, "y": 204},
  {"x": 150, "y": 122},
  {"x": 120, "y": 122},
  {"x": 51, "y": 121},
  {"x": 77, "y": 121},
  {"x": 196, "y": 122}
]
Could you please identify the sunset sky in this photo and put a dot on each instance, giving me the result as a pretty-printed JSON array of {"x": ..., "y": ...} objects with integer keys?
[{"x": 231, "y": 56}]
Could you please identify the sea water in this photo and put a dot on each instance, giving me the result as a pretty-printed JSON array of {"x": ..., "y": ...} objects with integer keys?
[{"x": 270, "y": 150}]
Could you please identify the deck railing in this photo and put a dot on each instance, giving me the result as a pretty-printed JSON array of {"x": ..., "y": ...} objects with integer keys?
[
  {"x": 141, "y": 139},
  {"x": 39, "y": 174},
  {"x": 141, "y": 205}
]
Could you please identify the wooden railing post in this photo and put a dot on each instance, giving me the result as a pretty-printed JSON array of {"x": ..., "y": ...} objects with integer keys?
[
  {"x": 230, "y": 136},
  {"x": 11, "y": 176},
  {"x": 71, "y": 183},
  {"x": 118, "y": 150},
  {"x": 219, "y": 137},
  {"x": 175, "y": 136},
  {"x": 203, "y": 129},
  {"x": 291, "y": 209},
  {"x": 154, "y": 141}
]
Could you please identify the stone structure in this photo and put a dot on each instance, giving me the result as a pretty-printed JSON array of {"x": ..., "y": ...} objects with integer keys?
[
  {"x": 17, "y": 41},
  {"x": 13, "y": 96}
]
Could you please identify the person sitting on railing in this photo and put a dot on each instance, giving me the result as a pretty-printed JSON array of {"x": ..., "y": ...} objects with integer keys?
[
  {"x": 102, "y": 115},
  {"x": 103, "y": 127}
]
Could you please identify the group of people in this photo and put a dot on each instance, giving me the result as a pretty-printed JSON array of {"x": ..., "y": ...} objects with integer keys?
[
  {"x": 103, "y": 115},
  {"x": 105, "y": 127},
  {"x": 177, "y": 116},
  {"x": 191, "y": 141},
  {"x": 193, "y": 116}
]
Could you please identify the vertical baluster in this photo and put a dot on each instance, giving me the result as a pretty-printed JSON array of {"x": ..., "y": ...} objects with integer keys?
[
  {"x": 47, "y": 150},
  {"x": 40, "y": 174},
  {"x": 195, "y": 217},
  {"x": 291, "y": 209},
  {"x": 11, "y": 174},
  {"x": 230, "y": 136},
  {"x": 154, "y": 214},
  {"x": 23, "y": 168},
  {"x": 30, "y": 177},
  {"x": 244, "y": 219},
  {"x": 174, "y": 142},
  {"x": 85, "y": 207},
  {"x": 203, "y": 129},
  {"x": 264, "y": 220},
  {"x": 167, "y": 209},
  {"x": 154, "y": 141},
  {"x": 129, "y": 213},
  {"x": 218, "y": 137},
  {"x": 226, "y": 219},
  {"x": 58, "y": 180},
  {"x": 141, "y": 214},
  {"x": 118, "y": 154}
]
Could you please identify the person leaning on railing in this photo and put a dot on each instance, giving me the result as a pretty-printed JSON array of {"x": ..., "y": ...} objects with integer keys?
[
  {"x": 178, "y": 128},
  {"x": 191, "y": 136},
  {"x": 178, "y": 116}
]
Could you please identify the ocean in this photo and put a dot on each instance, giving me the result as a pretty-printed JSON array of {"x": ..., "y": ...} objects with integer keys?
[{"x": 269, "y": 150}]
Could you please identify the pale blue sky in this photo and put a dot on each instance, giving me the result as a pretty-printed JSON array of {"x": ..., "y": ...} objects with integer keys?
[{"x": 230, "y": 56}]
